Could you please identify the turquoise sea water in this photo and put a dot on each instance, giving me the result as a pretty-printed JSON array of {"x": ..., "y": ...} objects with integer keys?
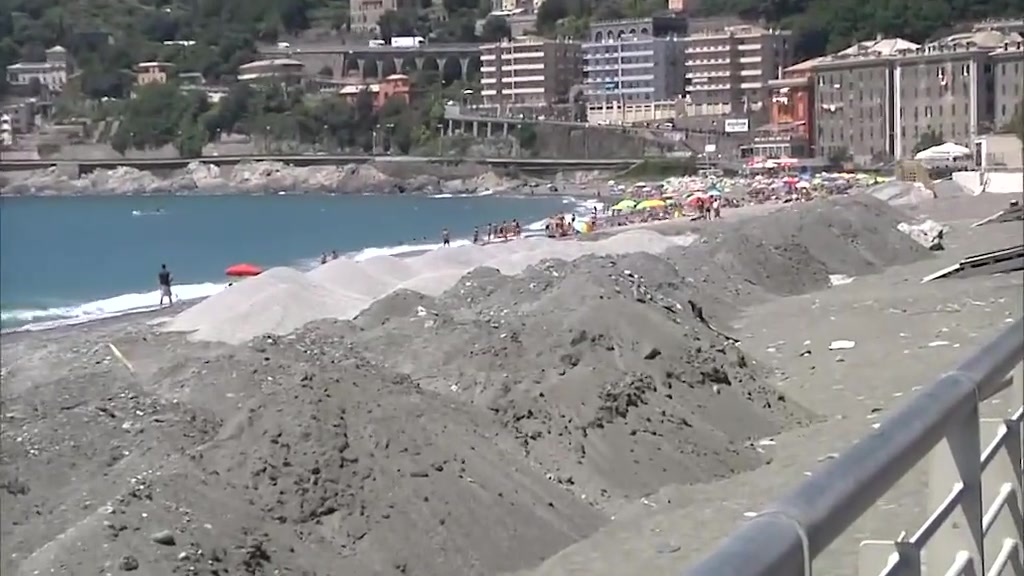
[{"x": 64, "y": 260}]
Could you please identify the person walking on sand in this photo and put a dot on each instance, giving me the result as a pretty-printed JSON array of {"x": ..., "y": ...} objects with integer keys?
[
  {"x": 164, "y": 278},
  {"x": 444, "y": 238}
]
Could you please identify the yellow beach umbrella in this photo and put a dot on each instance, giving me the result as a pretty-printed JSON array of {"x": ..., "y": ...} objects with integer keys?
[
  {"x": 650, "y": 204},
  {"x": 626, "y": 204}
]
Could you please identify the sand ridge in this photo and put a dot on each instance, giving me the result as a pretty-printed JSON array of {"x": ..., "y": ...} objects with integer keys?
[{"x": 282, "y": 300}]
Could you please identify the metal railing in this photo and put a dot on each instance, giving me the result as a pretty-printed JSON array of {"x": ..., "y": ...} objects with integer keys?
[{"x": 976, "y": 528}]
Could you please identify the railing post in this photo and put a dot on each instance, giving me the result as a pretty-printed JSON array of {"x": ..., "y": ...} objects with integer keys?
[
  {"x": 957, "y": 459},
  {"x": 1003, "y": 475},
  {"x": 887, "y": 557},
  {"x": 876, "y": 556}
]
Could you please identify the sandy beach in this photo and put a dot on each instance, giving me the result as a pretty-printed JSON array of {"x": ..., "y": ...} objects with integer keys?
[{"x": 540, "y": 407}]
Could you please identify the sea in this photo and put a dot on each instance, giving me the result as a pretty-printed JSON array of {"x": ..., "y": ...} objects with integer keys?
[{"x": 67, "y": 260}]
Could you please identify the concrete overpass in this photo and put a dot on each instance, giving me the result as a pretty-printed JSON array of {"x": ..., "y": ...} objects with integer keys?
[
  {"x": 461, "y": 61},
  {"x": 166, "y": 164}
]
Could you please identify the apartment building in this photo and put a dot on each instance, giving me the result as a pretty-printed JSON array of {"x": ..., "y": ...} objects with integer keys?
[
  {"x": 529, "y": 71},
  {"x": 364, "y": 14},
  {"x": 634, "y": 70},
  {"x": 728, "y": 69},
  {"x": 1008, "y": 85},
  {"x": 854, "y": 100},
  {"x": 948, "y": 88},
  {"x": 658, "y": 26},
  {"x": 51, "y": 73}
]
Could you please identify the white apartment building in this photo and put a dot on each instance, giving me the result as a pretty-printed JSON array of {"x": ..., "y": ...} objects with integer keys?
[
  {"x": 53, "y": 73},
  {"x": 529, "y": 71},
  {"x": 728, "y": 69}
]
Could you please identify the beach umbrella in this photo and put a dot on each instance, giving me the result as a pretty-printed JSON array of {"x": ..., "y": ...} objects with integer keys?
[
  {"x": 243, "y": 270},
  {"x": 695, "y": 199},
  {"x": 647, "y": 204},
  {"x": 626, "y": 204}
]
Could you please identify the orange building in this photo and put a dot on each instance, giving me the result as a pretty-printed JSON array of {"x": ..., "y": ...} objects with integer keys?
[
  {"x": 790, "y": 132},
  {"x": 152, "y": 72},
  {"x": 395, "y": 85}
]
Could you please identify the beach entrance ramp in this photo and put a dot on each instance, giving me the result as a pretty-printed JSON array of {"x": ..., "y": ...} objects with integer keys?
[{"x": 998, "y": 261}]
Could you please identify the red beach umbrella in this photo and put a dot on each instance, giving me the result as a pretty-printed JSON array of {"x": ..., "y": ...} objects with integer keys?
[{"x": 244, "y": 270}]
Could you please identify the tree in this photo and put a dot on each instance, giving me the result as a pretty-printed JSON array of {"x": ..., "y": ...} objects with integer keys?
[
  {"x": 839, "y": 156},
  {"x": 495, "y": 29},
  {"x": 927, "y": 140}
]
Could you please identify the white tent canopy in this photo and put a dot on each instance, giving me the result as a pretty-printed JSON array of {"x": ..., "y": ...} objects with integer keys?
[{"x": 947, "y": 151}]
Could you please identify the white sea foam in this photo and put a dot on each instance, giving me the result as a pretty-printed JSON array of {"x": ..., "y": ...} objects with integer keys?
[{"x": 39, "y": 319}]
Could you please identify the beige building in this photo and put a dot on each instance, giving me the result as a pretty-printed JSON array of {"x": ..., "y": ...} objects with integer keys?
[
  {"x": 728, "y": 69},
  {"x": 364, "y": 14},
  {"x": 1008, "y": 85},
  {"x": 949, "y": 88},
  {"x": 152, "y": 72},
  {"x": 529, "y": 71},
  {"x": 854, "y": 99},
  {"x": 53, "y": 73}
]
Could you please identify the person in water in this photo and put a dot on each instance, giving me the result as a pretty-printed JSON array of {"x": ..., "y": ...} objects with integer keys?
[
  {"x": 476, "y": 234},
  {"x": 323, "y": 257},
  {"x": 164, "y": 278},
  {"x": 334, "y": 254},
  {"x": 444, "y": 238}
]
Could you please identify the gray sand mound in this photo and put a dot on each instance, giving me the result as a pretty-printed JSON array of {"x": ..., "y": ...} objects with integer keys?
[
  {"x": 278, "y": 301},
  {"x": 352, "y": 277},
  {"x": 613, "y": 389}
]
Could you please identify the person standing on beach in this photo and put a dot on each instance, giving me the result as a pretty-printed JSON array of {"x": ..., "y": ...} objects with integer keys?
[
  {"x": 444, "y": 238},
  {"x": 164, "y": 278},
  {"x": 490, "y": 232}
]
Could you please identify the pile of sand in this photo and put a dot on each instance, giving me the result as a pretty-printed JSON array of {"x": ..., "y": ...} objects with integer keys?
[
  {"x": 805, "y": 245},
  {"x": 611, "y": 387},
  {"x": 276, "y": 302},
  {"x": 352, "y": 277}
]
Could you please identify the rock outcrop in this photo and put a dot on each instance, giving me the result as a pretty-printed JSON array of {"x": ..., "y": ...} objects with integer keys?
[{"x": 265, "y": 177}]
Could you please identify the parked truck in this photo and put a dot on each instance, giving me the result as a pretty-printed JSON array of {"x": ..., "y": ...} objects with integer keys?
[{"x": 407, "y": 41}]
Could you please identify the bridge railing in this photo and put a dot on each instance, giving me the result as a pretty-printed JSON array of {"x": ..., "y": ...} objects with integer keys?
[{"x": 974, "y": 485}]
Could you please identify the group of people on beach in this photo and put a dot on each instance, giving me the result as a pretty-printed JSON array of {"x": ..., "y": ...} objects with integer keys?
[
  {"x": 324, "y": 256},
  {"x": 498, "y": 232}
]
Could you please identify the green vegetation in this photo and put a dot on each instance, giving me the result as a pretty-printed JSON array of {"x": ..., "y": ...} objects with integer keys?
[
  {"x": 107, "y": 37},
  {"x": 655, "y": 168},
  {"x": 275, "y": 116}
]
